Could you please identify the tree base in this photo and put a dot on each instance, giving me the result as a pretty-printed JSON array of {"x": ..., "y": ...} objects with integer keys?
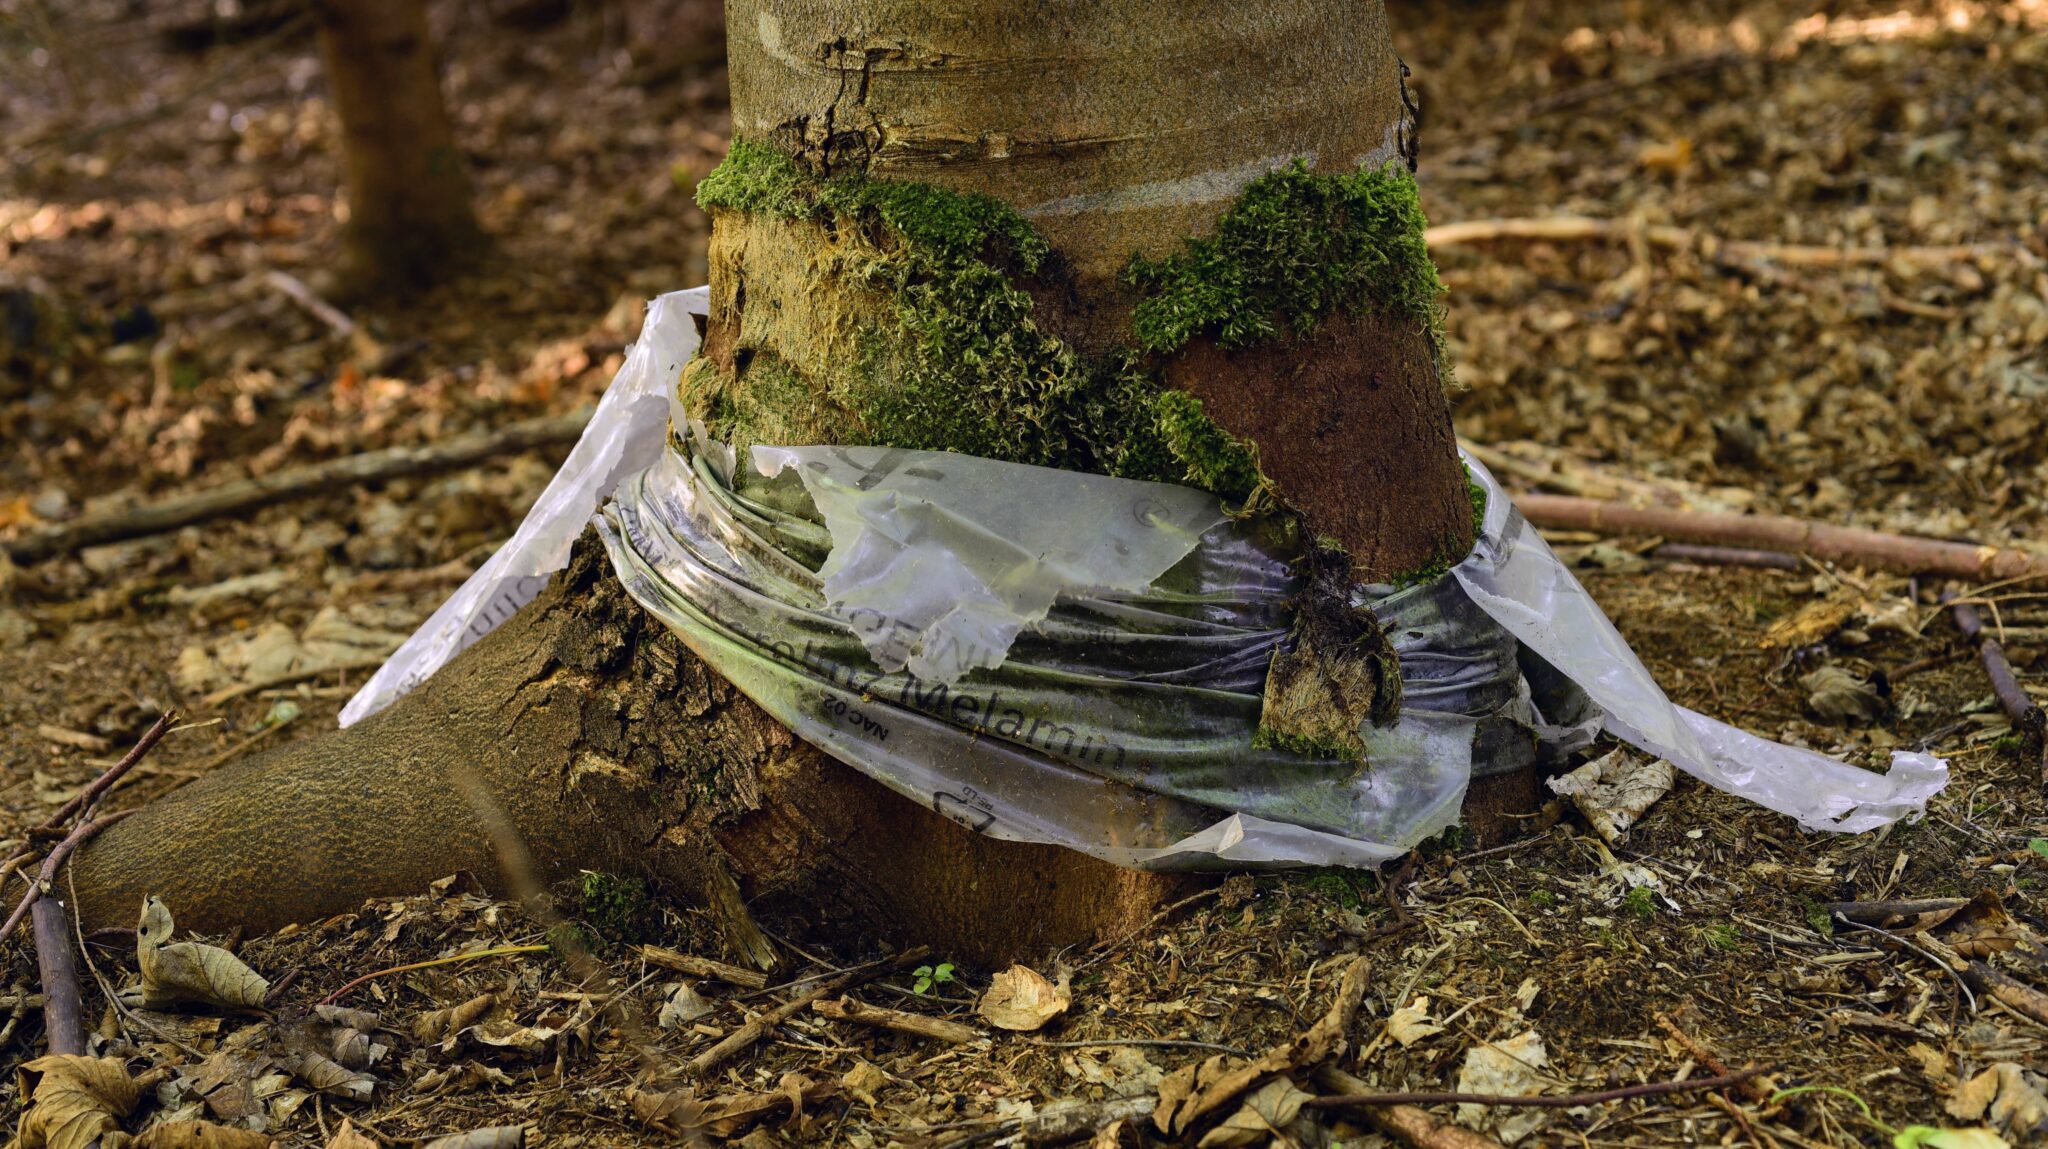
[{"x": 581, "y": 735}]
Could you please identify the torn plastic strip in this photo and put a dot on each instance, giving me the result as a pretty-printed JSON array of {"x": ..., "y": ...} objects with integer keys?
[{"x": 625, "y": 434}]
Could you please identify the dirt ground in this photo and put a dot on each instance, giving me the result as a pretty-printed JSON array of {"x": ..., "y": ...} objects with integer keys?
[{"x": 159, "y": 164}]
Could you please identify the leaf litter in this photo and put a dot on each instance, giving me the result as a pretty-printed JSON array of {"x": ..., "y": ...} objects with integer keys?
[{"x": 1901, "y": 395}]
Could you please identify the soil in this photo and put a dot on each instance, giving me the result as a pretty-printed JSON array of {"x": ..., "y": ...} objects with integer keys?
[{"x": 160, "y": 164}]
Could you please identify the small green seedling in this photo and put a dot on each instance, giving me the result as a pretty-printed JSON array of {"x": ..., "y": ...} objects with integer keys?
[
  {"x": 1639, "y": 903},
  {"x": 929, "y": 976},
  {"x": 2039, "y": 846}
]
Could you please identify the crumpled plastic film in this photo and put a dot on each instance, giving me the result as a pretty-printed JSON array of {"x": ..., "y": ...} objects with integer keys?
[
  {"x": 1121, "y": 722},
  {"x": 1513, "y": 576},
  {"x": 1078, "y": 660},
  {"x": 625, "y": 434}
]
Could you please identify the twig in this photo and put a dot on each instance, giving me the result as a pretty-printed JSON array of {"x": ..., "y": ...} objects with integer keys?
[
  {"x": 298, "y": 482},
  {"x": 746, "y": 1035},
  {"x": 2026, "y": 715},
  {"x": 1725, "y": 556},
  {"x": 57, "y": 963},
  {"x": 2011, "y": 992},
  {"x": 1412, "y": 1125},
  {"x": 1707, "y": 1057},
  {"x": 1903, "y": 554},
  {"x": 451, "y": 959},
  {"x": 915, "y": 1024},
  {"x": 1735, "y": 252},
  {"x": 296, "y": 290},
  {"x": 701, "y": 967},
  {"x": 1536, "y": 1101},
  {"x": 1221, "y": 1084},
  {"x": 106, "y": 780},
  {"x": 58, "y": 853}
]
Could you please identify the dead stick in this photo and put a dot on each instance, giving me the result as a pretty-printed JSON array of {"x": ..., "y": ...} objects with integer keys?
[
  {"x": 702, "y": 967},
  {"x": 58, "y": 853},
  {"x": 1570, "y": 227},
  {"x": 57, "y": 963},
  {"x": 2011, "y": 992},
  {"x": 753, "y": 1031},
  {"x": 1413, "y": 1126},
  {"x": 101, "y": 784},
  {"x": 298, "y": 482},
  {"x": 915, "y": 1024},
  {"x": 298, "y": 292},
  {"x": 1566, "y": 1101},
  {"x": 1904, "y": 554},
  {"x": 1726, "y": 556},
  {"x": 2028, "y": 721},
  {"x": 1707, "y": 1057}
]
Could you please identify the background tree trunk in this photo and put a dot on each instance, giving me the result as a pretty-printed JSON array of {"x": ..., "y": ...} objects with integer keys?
[
  {"x": 408, "y": 193},
  {"x": 603, "y": 744}
]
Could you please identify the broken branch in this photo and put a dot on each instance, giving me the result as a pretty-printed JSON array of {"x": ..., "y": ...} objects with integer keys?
[
  {"x": 1728, "y": 252},
  {"x": 56, "y": 857},
  {"x": 746, "y": 1035},
  {"x": 2026, "y": 716},
  {"x": 702, "y": 967},
  {"x": 100, "y": 785},
  {"x": 915, "y": 1024},
  {"x": 298, "y": 482},
  {"x": 1903, "y": 554}
]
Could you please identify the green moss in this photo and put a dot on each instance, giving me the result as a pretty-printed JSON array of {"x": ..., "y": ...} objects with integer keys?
[
  {"x": 758, "y": 178},
  {"x": 618, "y": 906},
  {"x": 1214, "y": 459},
  {"x": 961, "y": 365},
  {"x": 1639, "y": 903},
  {"x": 1295, "y": 247}
]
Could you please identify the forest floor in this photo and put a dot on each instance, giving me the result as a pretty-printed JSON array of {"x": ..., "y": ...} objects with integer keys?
[{"x": 153, "y": 178}]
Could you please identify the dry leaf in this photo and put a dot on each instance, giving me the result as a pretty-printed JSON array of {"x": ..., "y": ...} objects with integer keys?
[
  {"x": 76, "y": 1101},
  {"x": 1507, "y": 1068},
  {"x": 1021, "y": 999},
  {"x": 332, "y": 1078},
  {"x": 201, "y": 1135},
  {"x": 1411, "y": 1023},
  {"x": 188, "y": 972},
  {"x": 683, "y": 1114},
  {"x": 442, "y": 1022},
  {"x": 1271, "y": 1108},
  {"x": 683, "y": 1006},
  {"x": 1808, "y": 625},
  {"x": 347, "y": 1137},
  {"x": 493, "y": 1137},
  {"x": 1836, "y": 695},
  {"x": 2006, "y": 1097},
  {"x": 1614, "y": 790},
  {"x": 362, "y": 1019},
  {"x": 863, "y": 1080}
]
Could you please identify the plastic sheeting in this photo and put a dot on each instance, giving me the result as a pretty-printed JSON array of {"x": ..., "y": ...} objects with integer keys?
[
  {"x": 626, "y": 434},
  {"x": 1028, "y": 653}
]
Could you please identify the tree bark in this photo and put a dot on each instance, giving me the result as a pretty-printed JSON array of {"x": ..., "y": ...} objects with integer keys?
[
  {"x": 602, "y": 744},
  {"x": 409, "y": 210}
]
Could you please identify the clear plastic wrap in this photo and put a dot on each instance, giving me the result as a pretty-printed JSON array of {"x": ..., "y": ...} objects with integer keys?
[
  {"x": 1073, "y": 659},
  {"x": 625, "y": 434}
]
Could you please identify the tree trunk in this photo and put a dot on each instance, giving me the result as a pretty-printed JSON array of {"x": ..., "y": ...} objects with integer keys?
[
  {"x": 591, "y": 735},
  {"x": 408, "y": 194}
]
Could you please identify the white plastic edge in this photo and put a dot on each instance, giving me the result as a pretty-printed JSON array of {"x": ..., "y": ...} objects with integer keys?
[{"x": 626, "y": 434}]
